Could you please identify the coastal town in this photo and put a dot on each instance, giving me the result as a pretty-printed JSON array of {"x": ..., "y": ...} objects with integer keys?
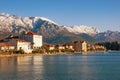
[
  {"x": 59, "y": 39},
  {"x": 30, "y": 42}
]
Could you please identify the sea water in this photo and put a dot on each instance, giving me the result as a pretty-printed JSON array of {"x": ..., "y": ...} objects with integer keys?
[{"x": 93, "y": 66}]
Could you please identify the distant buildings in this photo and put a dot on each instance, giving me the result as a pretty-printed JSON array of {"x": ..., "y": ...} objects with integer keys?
[
  {"x": 30, "y": 41},
  {"x": 27, "y": 41},
  {"x": 76, "y": 46},
  {"x": 60, "y": 47},
  {"x": 99, "y": 48},
  {"x": 50, "y": 47},
  {"x": 68, "y": 46},
  {"x": 80, "y": 46},
  {"x": 6, "y": 46},
  {"x": 35, "y": 39},
  {"x": 95, "y": 47},
  {"x": 21, "y": 45}
]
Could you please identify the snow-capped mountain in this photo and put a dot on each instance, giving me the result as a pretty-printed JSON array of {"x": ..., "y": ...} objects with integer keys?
[
  {"x": 13, "y": 23},
  {"x": 8, "y": 22},
  {"x": 51, "y": 31},
  {"x": 82, "y": 29}
]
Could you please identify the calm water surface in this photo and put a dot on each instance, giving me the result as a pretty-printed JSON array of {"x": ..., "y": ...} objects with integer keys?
[{"x": 99, "y": 66}]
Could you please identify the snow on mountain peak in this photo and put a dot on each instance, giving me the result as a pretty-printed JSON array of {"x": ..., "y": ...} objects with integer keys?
[
  {"x": 5, "y": 14},
  {"x": 77, "y": 29},
  {"x": 46, "y": 19},
  {"x": 35, "y": 19},
  {"x": 12, "y": 22}
]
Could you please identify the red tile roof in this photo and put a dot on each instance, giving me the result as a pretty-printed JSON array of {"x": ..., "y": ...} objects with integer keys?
[
  {"x": 50, "y": 45},
  {"x": 31, "y": 33},
  {"x": 5, "y": 44},
  {"x": 67, "y": 44},
  {"x": 59, "y": 45}
]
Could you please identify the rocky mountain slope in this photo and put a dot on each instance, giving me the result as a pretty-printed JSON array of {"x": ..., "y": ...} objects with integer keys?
[
  {"x": 13, "y": 23},
  {"x": 108, "y": 36},
  {"x": 78, "y": 29},
  {"x": 51, "y": 31}
]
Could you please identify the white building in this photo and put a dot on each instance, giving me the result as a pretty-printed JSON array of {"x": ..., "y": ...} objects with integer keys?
[
  {"x": 84, "y": 46},
  {"x": 21, "y": 45},
  {"x": 26, "y": 42},
  {"x": 6, "y": 46},
  {"x": 35, "y": 39}
]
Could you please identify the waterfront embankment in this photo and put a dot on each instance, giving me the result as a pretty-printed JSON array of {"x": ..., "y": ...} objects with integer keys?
[{"x": 45, "y": 54}]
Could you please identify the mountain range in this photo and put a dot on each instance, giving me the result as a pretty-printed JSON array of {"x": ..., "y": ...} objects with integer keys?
[{"x": 51, "y": 31}]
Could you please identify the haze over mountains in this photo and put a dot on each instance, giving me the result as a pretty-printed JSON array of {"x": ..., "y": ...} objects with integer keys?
[{"x": 52, "y": 32}]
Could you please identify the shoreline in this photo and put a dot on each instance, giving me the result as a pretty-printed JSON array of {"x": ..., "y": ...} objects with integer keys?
[
  {"x": 47, "y": 54},
  {"x": 12, "y": 55},
  {"x": 34, "y": 54}
]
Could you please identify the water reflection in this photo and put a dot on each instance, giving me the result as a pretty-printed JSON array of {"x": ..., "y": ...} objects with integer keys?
[
  {"x": 8, "y": 62},
  {"x": 31, "y": 66},
  {"x": 60, "y": 67}
]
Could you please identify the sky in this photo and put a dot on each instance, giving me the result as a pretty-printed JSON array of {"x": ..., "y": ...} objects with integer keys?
[{"x": 102, "y": 14}]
